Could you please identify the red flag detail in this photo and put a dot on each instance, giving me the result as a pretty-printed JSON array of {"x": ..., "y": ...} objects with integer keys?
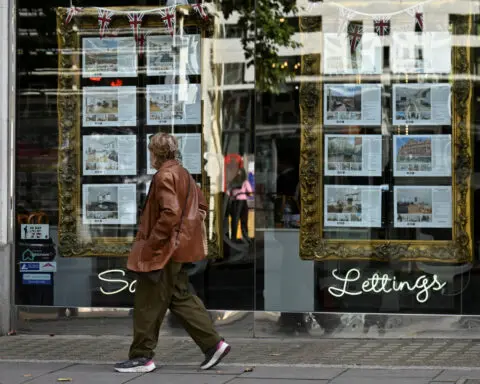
[
  {"x": 72, "y": 11},
  {"x": 135, "y": 21},
  {"x": 354, "y": 35},
  {"x": 382, "y": 27},
  {"x": 200, "y": 8},
  {"x": 419, "y": 20},
  {"x": 104, "y": 19}
]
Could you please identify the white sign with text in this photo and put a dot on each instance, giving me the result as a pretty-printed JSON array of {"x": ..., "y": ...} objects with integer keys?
[{"x": 423, "y": 286}]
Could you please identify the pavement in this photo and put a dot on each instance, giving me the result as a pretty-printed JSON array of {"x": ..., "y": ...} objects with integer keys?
[
  {"x": 50, "y": 373},
  {"x": 89, "y": 359}
]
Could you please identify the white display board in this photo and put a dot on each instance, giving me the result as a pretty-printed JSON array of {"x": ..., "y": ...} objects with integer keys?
[
  {"x": 338, "y": 57},
  {"x": 352, "y": 104},
  {"x": 352, "y": 206},
  {"x": 109, "y": 155},
  {"x": 426, "y": 52},
  {"x": 422, "y": 155},
  {"x": 109, "y": 204},
  {"x": 109, "y": 106},
  {"x": 353, "y": 155},
  {"x": 421, "y": 104},
  {"x": 109, "y": 57},
  {"x": 423, "y": 207},
  {"x": 174, "y": 104},
  {"x": 190, "y": 148}
]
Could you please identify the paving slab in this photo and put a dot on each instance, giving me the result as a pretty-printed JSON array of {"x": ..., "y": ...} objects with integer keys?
[
  {"x": 85, "y": 374},
  {"x": 300, "y": 373},
  {"x": 276, "y": 381},
  {"x": 392, "y": 373},
  {"x": 194, "y": 370},
  {"x": 16, "y": 373},
  {"x": 378, "y": 380},
  {"x": 168, "y": 378},
  {"x": 455, "y": 375}
]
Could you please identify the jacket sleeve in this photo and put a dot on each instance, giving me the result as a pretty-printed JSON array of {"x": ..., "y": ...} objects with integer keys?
[{"x": 170, "y": 211}]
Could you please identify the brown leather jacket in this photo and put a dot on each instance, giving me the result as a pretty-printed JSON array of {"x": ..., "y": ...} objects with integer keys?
[{"x": 159, "y": 239}]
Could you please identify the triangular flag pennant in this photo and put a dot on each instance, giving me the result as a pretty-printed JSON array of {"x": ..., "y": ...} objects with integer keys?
[
  {"x": 135, "y": 21},
  {"x": 355, "y": 32},
  {"x": 382, "y": 26},
  {"x": 141, "y": 42},
  {"x": 104, "y": 19},
  {"x": 417, "y": 13},
  {"x": 200, "y": 8},
  {"x": 345, "y": 15},
  {"x": 419, "y": 21},
  {"x": 169, "y": 18},
  {"x": 71, "y": 12}
]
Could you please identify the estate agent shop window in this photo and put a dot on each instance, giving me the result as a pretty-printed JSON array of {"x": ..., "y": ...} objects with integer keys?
[{"x": 355, "y": 171}]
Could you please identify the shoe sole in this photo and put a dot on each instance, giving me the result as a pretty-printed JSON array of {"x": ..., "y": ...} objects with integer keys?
[
  {"x": 217, "y": 357},
  {"x": 141, "y": 369}
]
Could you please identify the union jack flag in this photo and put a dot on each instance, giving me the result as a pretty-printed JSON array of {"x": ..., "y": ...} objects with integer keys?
[
  {"x": 200, "y": 8},
  {"x": 135, "y": 21},
  {"x": 141, "y": 42},
  {"x": 355, "y": 32},
  {"x": 72, "y": 11},
  {"x": 382, "y": 27},
  {"x": 169, "y": 18},
  {"x": 419, "y": 21},
  {"x": 104, "y": 19}
]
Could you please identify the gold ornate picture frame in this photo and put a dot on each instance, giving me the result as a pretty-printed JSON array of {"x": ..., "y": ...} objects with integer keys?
[
  {"x": 73, "y": 242},
  {"x": 313, "y": 246}
]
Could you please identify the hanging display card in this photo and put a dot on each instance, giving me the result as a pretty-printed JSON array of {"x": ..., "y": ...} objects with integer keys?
[
  {"x": 109, "y": 204},
  {"x": 109, "y": 57},
  {"x": 353, "y": 206},
  {"x": 169, "y": 56},
  {"x": 109, "y": 155},
  {"x": 173, "y": 104},
  {"x": 423, "y": 207},
  {"x": 353, "y": 155},
  {"x": 421, "y": 104},
  {"x": 352, "y": 104},
  {"x": 422, "y": 155},
  {"x": 109, "y": 106},
  {"x": 190, "y": 147},
  {"x": 426, "y": 52},
  {"x": 339, "y": 59}
]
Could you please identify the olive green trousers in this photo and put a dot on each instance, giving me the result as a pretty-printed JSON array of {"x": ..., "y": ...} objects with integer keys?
[{"x": 153, "y": 298}]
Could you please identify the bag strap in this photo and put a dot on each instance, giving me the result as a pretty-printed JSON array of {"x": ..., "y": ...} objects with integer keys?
[{"x": 185, "y": 204}]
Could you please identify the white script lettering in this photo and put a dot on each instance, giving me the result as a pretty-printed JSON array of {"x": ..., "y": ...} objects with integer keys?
[
  {"x": 423, "y": 285},
  {"x": 124, "y": 284}
]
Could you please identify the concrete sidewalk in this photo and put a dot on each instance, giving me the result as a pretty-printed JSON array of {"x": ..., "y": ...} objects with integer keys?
[{"x": 50, "y": 373}]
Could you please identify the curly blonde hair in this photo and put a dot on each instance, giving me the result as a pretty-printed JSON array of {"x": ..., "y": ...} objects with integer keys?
[{"x": 163, "y": 147}]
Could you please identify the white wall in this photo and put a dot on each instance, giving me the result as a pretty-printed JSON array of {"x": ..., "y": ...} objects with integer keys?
[{"x": 5, "y": 238}]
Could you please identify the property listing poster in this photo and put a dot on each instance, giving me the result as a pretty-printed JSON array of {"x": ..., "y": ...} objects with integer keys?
[
  {"x": 109, "y": 57},
  {"x": 109, "y": 155},
  {"x": 423, "y": 207},
  {"x": 353, "y": 155},
  {"x": 426, "y": 52},
  {"x": 352, "y": 206},
  {"x": 339, "y": 59},
  {"x": 421, "y": 104},
  {"x": 109, "y": 203},
  {"x": 190, "y": 148},
  {"x": 422, "y": 155},
  {"x": 169, "y": 56},
  {"x": 352, "y": 104},
  {"x": 109, "y": 106},
  {"x": 173, "y": 104}
]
